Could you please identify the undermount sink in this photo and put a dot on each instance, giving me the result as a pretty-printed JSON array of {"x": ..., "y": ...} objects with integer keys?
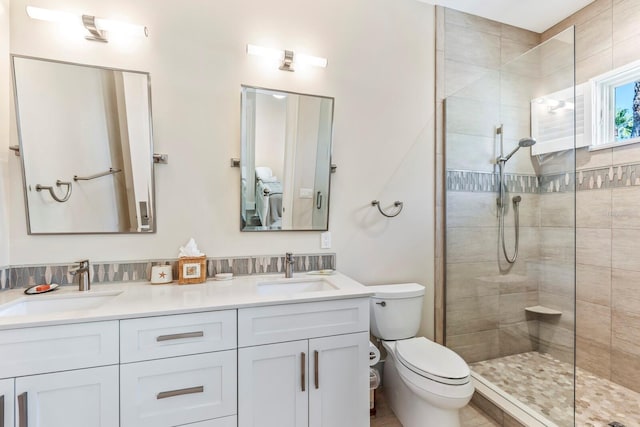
[
  {"x": 294, "y": 286},
  {"x": 41, "y": 304}
]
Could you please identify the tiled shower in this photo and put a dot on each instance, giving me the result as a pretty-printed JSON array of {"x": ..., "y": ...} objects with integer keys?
[{"x": 579, "y": 219}]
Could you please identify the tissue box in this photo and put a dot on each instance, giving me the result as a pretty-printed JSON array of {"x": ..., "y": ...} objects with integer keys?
[{"x": 192, "y": 270}]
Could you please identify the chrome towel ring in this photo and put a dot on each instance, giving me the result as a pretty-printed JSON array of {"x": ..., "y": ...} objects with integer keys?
[
  {"x": 399, "y": 205},
  {"x": 53, "y": 194}
]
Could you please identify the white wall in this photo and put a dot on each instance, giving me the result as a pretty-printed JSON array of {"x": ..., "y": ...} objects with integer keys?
[
  {"x": 5, "y": 86},
  {"x": 381, "y": 73}
]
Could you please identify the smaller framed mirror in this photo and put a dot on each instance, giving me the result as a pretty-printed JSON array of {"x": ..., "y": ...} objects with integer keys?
[
  {"x": 285, "y": 160},
  {"x": 86, "y": 146}
]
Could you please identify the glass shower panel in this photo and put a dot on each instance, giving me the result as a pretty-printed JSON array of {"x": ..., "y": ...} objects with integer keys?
[{"x": 510, "y": 229}]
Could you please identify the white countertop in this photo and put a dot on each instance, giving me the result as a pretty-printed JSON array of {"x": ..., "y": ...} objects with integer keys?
[{"x": 141, "y": 299}]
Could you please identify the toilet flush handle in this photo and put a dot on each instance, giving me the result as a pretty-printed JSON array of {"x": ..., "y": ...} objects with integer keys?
[{"x": 383, "y": 303}]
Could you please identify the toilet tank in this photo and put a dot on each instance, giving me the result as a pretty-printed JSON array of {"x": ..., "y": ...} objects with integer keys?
[{"x": 396, "y": 310}]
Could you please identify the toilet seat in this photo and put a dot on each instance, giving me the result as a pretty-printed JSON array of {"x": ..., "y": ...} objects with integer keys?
[{"x": 433, "y": 361}]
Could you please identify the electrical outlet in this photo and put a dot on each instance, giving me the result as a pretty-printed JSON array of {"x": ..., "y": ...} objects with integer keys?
[{"x": 325, "y": 240}]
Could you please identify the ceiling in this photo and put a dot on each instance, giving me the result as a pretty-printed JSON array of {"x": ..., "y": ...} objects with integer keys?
[{"x": 534, "y": 15}]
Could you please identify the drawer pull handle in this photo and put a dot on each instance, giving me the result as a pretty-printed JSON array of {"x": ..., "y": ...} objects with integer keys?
[
  {"x": 180, "y": 336},
  {"x": 180, "y": 392},
  {"x": 2, "y": 411},
  {"x": 317, "y": 368},
  {"x": 22, "y": 410},
  {"x": 303, "y": 368}
]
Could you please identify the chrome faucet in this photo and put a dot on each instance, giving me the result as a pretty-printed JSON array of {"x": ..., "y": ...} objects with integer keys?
[
  {"x": 81, "y": 270},
  {"x": 289, "y": 260}
]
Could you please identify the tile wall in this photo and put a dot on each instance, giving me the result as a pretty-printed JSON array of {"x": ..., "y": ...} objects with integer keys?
[
  {"x": 486, "y": 299},
  {"x": 608, "y": 211}
]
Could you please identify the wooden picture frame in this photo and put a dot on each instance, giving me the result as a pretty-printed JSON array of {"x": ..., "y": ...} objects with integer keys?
[{"x": 192, "y": 270}]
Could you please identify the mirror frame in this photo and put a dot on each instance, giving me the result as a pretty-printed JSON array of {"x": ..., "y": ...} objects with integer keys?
[
  {"x": 21, "y": 151},
  {"x": 242, "y": 153}
]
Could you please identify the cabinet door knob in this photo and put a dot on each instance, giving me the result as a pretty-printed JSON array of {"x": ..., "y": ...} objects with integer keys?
[
  {"x": 23, "y": 403},
  {"x": 383, "y": 303},
  {"x": 303, "y": 367}
]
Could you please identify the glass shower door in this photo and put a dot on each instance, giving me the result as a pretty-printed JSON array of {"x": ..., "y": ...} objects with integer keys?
[{"x": 510, "y": 229}]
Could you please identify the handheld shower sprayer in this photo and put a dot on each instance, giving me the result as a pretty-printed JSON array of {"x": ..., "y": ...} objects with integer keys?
[
  {"x": 524, "y": 142},
  {"x": 501, "y": 161}
]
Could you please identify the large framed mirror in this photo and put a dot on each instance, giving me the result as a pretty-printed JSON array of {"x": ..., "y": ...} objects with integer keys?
[
  {"x": 285, "y": 160},
  {"x": 86, "y": 145}
]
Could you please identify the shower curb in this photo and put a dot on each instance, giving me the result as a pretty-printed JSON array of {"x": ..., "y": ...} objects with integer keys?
[{"x": 510, "y": 406}]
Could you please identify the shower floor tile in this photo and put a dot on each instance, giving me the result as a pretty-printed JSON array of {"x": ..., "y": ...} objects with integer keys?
[{"x": 546, "y": 386}]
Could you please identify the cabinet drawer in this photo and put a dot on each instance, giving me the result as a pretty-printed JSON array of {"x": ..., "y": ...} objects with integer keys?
[
  {"x": 180, "y": 390},
  {"x": 219, "y": 422},
  {"x": 179, "y": 335},
  {"x": 263, "y": 325},
  {"x": 31, "y": 351}
]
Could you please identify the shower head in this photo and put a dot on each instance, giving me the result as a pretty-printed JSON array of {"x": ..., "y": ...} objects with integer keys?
[{"x": 524, "y": 142}]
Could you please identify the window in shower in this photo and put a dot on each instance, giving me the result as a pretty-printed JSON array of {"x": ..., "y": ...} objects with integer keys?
[{"x": 617, "y": 107}]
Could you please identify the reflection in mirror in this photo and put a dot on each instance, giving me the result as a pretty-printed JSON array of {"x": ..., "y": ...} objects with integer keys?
[
  {"x": 285, "y": 160},
  {"x": 86, "y": 147}
]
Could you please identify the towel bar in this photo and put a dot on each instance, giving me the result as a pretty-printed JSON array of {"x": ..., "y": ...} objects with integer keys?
[{"x": 397, "y": 204}]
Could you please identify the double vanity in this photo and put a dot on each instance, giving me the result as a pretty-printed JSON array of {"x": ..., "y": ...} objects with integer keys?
[{"x": 255, "y": 350}]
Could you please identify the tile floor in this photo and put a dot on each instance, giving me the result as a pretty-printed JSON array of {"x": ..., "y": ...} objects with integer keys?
[
  {"x": 470, "y": 415},
  {"x": 598, "y": 401}
]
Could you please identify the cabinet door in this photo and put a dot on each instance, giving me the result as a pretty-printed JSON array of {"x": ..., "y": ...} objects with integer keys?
[
  {"x": 273, "y": 385},
  {"x": 81, "y": 398},
  {"x": 339, "y": 381},
  {"x": 6, "y": 403}
]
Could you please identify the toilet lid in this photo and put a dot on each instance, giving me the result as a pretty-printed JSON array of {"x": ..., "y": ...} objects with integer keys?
[
  {"x": 433, "y": 361},
  {"x": 397, "y": 291}
]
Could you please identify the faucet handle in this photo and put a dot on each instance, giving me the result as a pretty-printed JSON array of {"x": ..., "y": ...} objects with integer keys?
[{"x": 80, "y": 265}]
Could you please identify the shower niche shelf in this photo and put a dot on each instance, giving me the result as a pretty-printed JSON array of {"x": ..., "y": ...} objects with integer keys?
[{"x": 539, "y": 309}]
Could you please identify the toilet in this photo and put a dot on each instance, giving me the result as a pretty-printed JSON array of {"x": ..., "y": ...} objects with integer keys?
[{"x": 425, "y": 383}]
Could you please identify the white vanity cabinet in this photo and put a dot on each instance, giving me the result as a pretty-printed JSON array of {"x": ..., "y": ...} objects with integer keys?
[
  {"x": 6, "y": 403},
  {"x": 178, "y": 370},
  {"x": 304, "y": 365},
  {"x": 64, "y": 376}
]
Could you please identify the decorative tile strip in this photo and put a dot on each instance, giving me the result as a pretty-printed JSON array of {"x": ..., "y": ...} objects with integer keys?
[
  {"x": 557, "y": 183},
  {"x": 627, "y": 175},
  {"x": 472, "y": 181},
  {"x": 136, "y": 271},
  {"x": 4, "y": 277},
  {"x": 608, "y": 177}
]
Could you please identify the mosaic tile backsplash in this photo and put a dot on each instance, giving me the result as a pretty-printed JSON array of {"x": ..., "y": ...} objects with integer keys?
[
  {"x": 23, "y": 276},
  {"x": 583, "y": 180},
  {"x": 458, "y": 180}
]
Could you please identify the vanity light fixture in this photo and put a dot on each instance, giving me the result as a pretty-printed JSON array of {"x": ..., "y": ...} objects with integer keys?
[
  {"x": 289, "y": 59},
  {"x": 97, "y": 27}
]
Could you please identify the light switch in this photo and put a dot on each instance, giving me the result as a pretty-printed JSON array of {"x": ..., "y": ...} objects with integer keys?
[
  {"x": 306, "y": 193},
  {"x": 325, "y": 240}
]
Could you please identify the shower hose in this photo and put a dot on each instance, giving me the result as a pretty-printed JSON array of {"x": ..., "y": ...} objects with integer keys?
[{"x": 516, "y": 211}]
